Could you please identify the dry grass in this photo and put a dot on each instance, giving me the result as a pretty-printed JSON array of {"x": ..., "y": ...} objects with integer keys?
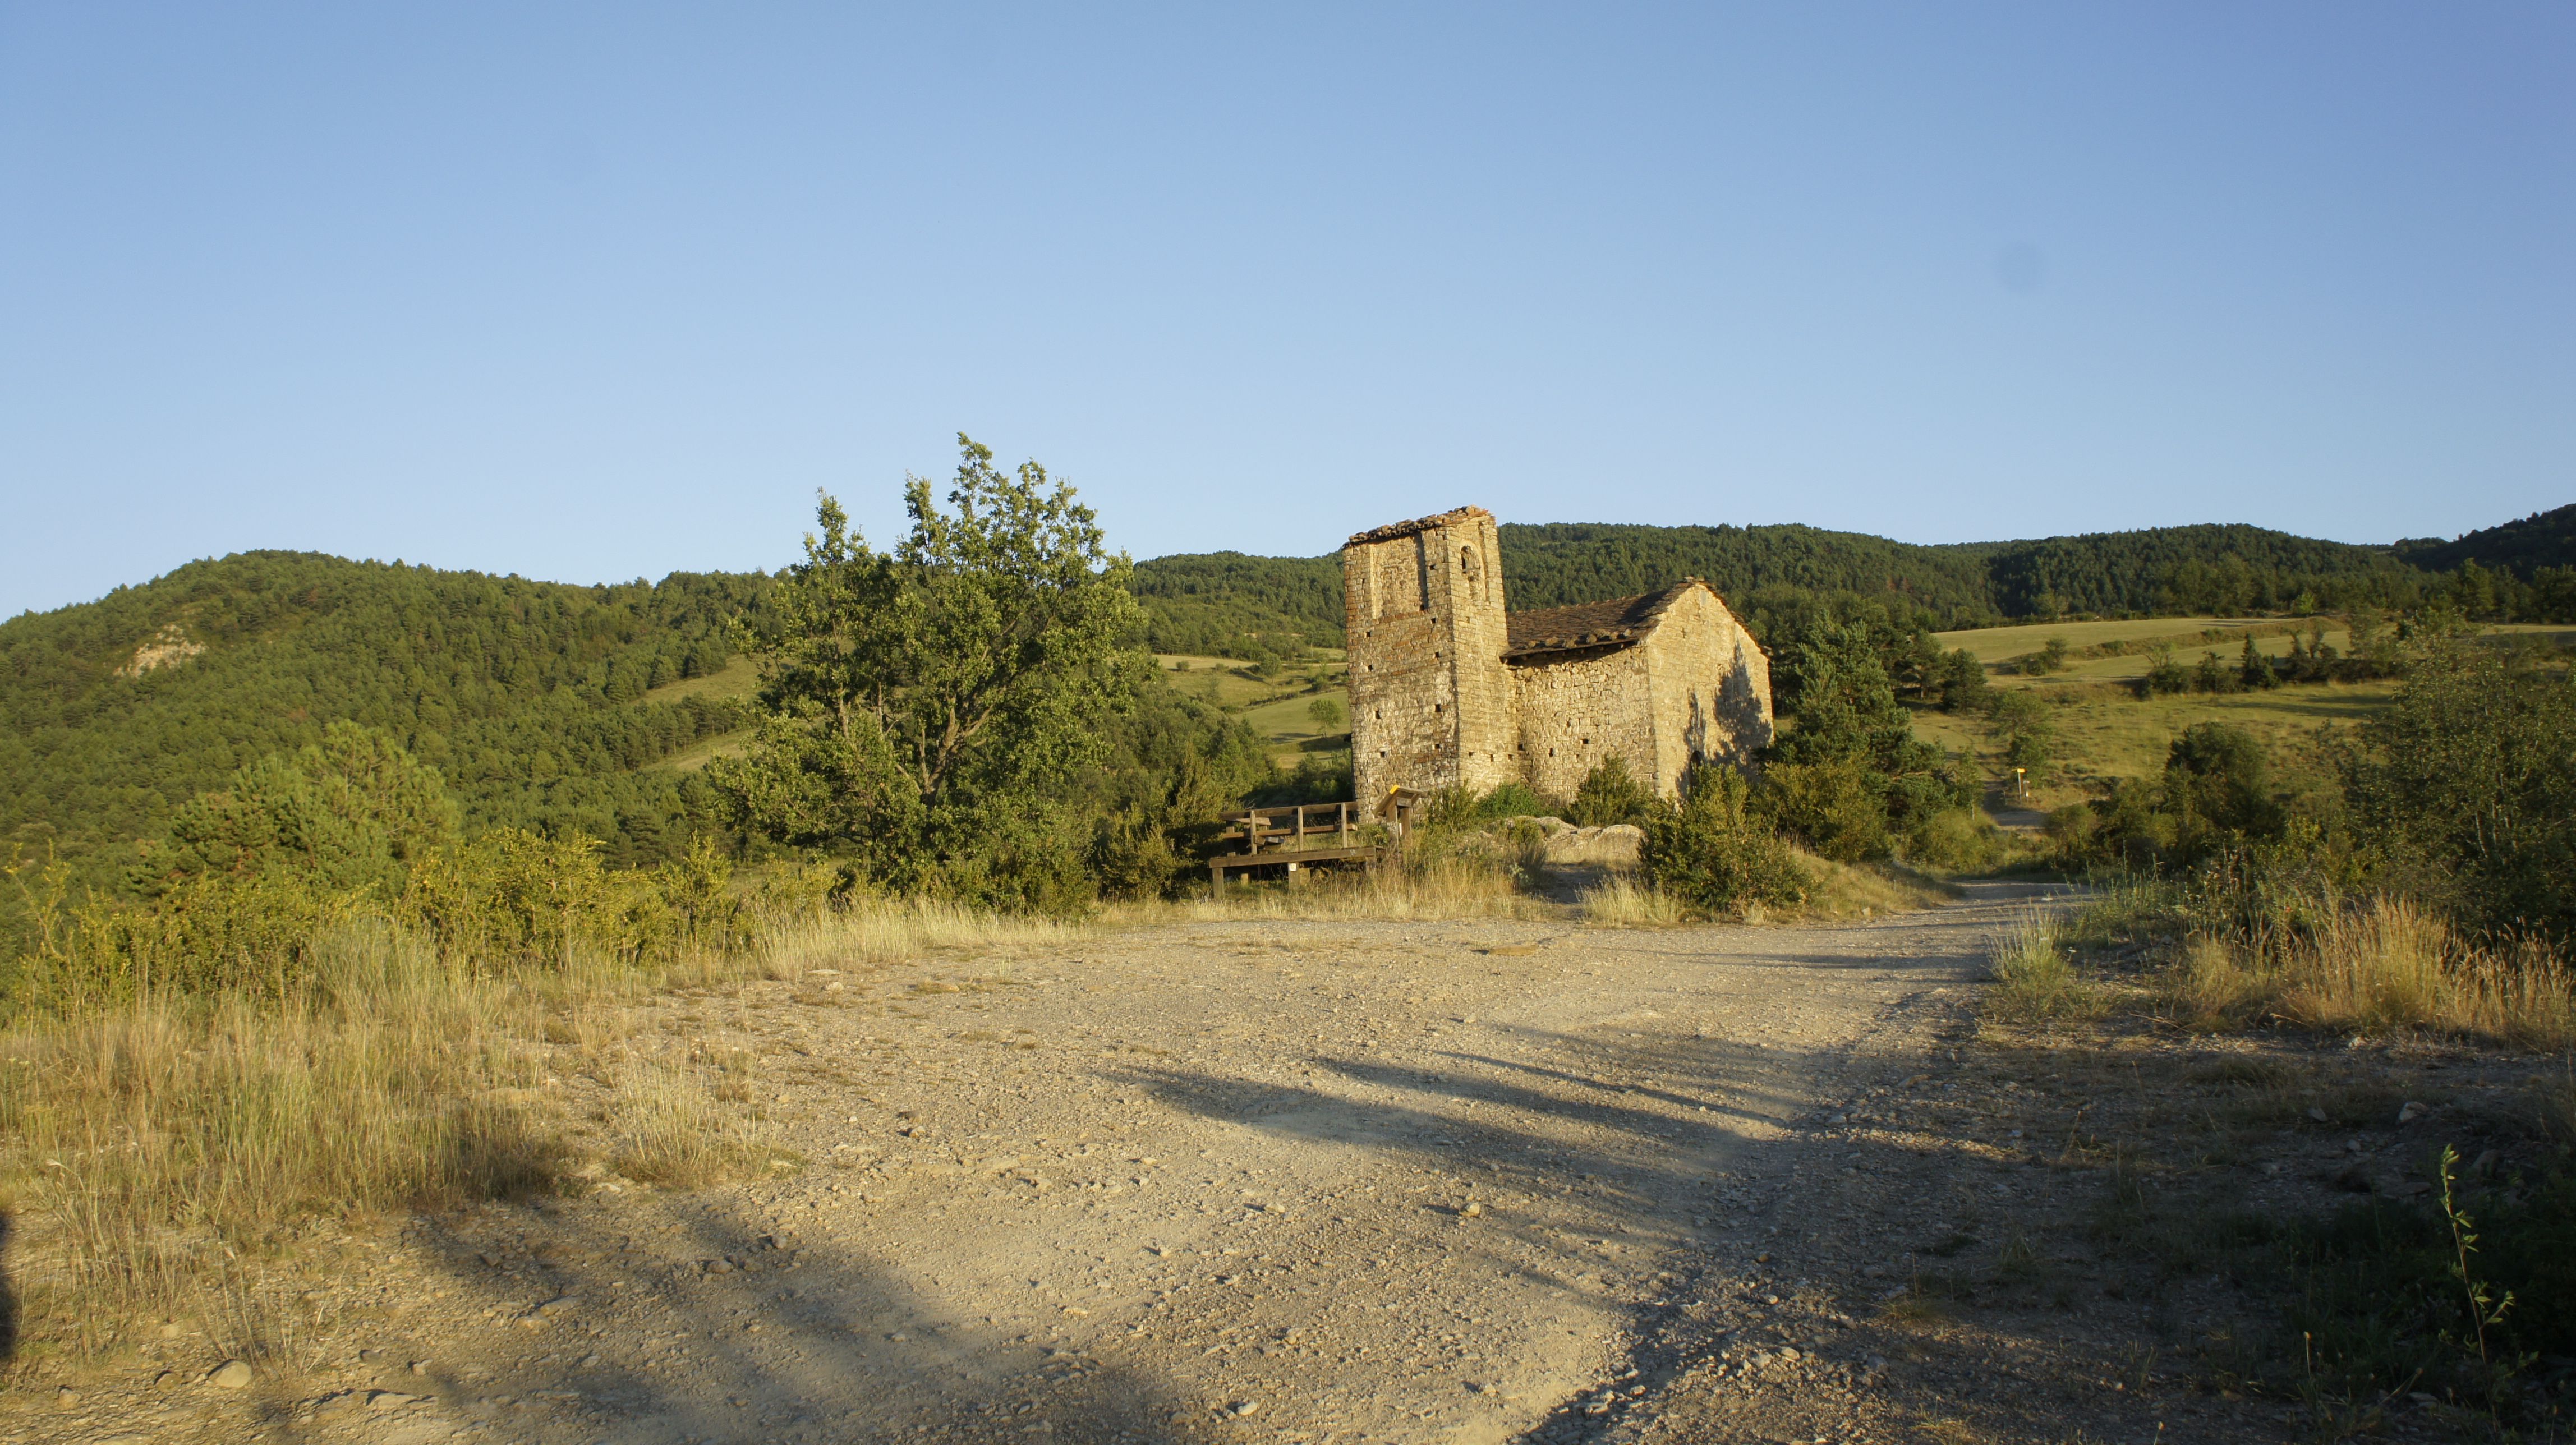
[
  {"x": 1863, "y": 890},
  {"x": 671, "y": 1129},
  {"x": 2035, "y": 978},
  {"x": 877, "y": 932},
  {"x": 146, "y": 1144},
  {"x": 160, "y": 1156},
  {"x": 1619, "y": 901},
  {"x": 2384, "y": 967},
  {"x": 1835, "y": 891}
]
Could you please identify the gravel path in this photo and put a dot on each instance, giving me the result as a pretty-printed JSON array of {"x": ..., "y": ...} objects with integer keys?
[{"x": 1281, "y": 1181}]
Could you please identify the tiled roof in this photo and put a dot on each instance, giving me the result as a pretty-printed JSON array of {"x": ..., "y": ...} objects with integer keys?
[
  {"x": 1614, "y": 623},
  {"x": 1393, "y": 530}
]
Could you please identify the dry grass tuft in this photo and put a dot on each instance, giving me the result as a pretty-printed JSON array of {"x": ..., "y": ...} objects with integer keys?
[
  {"x": 146, "y": 1142},
  {"x": 2207, "y": 991},
  {"x": 157, "y": 1152},
  {"x": 671, "y": 1130},
  {"x": 1835, "y": 891},
  {"x": 1619, "y": 901},
  {"x": 2035, "y": 976},
  {"x": 2381, "y": 968}
]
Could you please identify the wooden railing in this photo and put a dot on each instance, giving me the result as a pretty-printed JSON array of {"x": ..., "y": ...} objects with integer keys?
[
  {"x": 1303, "y": 834},
  {"x": 1288, "y": 829}
]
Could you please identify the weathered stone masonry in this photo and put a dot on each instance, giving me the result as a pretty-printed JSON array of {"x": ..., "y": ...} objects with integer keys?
[{"x": 1449, "y": 689}]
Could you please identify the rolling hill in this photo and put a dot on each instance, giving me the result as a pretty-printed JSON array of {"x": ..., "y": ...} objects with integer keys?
[{"x": 534, "y": 699}]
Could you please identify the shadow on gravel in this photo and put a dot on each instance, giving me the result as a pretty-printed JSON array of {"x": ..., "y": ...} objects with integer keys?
[
  {"x": 682, "y": 1322},
  {"x": 1671, "y": 1108},
  {"x": 784, "y": 1340},
  {"x": 1786, "y": 1250}
]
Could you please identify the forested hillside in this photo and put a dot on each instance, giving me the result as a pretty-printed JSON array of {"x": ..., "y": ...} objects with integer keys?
[
  {"x": 1234, "y": 605},
  {"x": 1243, "y": 606},
  {"x": 529, "y": 697},
  {"x": 534, "y": 701},
  {"x": 2523, "y": 548}
]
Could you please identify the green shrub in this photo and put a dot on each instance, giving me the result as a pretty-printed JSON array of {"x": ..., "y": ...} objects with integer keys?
[
  {"x": 1611, "y": 794},
  {"x": 2217, "y": 786},
  {"x": 1467, "y": 808},
  {"x": 2023, "y": 729},
  {"x": 1957, "y": 840},
  {"x": 2464, "y": 792},
  {"x": 2070, "y": 828},
  {"x": 1716, "y": 855},
  {"x": 2165, "y": 676},
  {"x": 1836, "y": 806},
  {"x": 343, "y": 815},
  {"x": 1962, "y": 682}
]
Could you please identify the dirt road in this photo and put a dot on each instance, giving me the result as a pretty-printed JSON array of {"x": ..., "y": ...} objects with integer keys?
[{"x": 1226, "y": 1181}]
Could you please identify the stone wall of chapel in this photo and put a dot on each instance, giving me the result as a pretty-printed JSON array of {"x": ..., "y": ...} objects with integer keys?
[
  {"x": 1433, "y": 705},
  {"x": 1710, "y": 688},
  {"x": 1575, "y": 712},
  {"x": 1430, "y": 700}
]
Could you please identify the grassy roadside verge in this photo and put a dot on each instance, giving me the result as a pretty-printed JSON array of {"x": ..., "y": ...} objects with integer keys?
[
  {"x": 171, "y": 1156},
  {"x": 2343, "y": 1177}
]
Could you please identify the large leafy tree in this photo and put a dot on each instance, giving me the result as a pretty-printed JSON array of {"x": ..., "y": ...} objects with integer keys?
[
  {"x": 932, "y": 711},
  {"x": 2465, "y": 791}
]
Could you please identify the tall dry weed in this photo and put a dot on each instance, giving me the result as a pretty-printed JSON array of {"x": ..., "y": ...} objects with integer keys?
[
  {"x": 671, "y": 1131},
  {"x": 2207, "y": 989}
]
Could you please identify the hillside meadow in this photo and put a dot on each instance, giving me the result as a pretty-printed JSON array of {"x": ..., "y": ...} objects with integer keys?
[{"x": 2105, "y": 731}]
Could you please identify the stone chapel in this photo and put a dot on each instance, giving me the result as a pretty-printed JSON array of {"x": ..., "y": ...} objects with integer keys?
[{"x": 1448, "y": 688}]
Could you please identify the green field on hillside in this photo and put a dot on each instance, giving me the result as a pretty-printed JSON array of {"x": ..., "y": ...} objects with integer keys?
[
  {"x": 1278, "y": 706},
  {"x": 737, "y": 681},
  {"x": 2105, "y": 731},
  {"x": 1996, "y": 644}
]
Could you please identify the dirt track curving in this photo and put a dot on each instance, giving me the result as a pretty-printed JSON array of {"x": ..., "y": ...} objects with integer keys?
[{"x": 1241, "y": 1181}]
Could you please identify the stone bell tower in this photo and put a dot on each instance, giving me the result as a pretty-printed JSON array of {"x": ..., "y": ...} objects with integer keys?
[{"x": 1431, "y": 701}]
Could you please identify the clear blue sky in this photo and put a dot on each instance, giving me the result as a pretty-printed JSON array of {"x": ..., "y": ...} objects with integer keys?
[{"x": 598, "y": 293}]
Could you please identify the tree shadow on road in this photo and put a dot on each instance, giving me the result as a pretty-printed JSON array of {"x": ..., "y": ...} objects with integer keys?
[{"x": 786, "y": 1338}]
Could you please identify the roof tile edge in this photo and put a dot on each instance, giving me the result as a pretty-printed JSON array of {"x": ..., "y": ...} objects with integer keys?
[
  {"x": 1614, "y": 637},
  {"x": 1393, "y": 530}
]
